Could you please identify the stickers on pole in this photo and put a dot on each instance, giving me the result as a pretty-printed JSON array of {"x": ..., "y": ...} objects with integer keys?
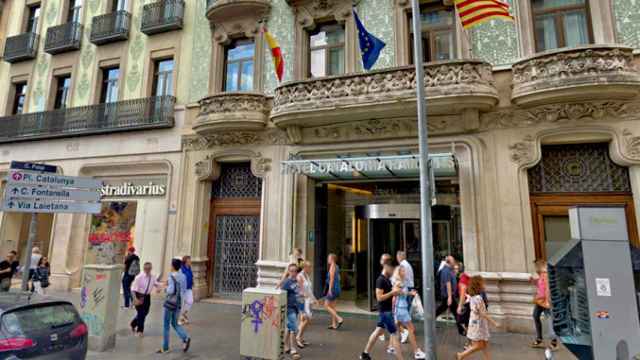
[{"x": 36, "y": 188}]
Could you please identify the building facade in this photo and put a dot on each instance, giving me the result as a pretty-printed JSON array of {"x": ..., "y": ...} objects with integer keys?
[{"x": 526, "y": 119}]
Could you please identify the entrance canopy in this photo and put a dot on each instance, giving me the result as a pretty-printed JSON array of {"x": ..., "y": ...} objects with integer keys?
[{"x": 371, "y": 167}]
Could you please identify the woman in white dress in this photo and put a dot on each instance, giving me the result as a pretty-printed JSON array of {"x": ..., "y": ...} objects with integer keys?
[
  {"x": 479, "y": 320},
  {"x": 307, "y": 302}
]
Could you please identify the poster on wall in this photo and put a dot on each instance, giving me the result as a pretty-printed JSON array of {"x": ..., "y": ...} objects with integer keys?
[{"x": 112, "y": 232}]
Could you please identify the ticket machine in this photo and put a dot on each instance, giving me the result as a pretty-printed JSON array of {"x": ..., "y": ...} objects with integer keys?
[{"x": 591, "y": 279}]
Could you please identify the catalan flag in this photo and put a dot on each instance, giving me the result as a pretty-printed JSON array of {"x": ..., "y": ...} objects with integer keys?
[
  {"x": 474, "y": 12},
  {"x": 276, "y": 54}
]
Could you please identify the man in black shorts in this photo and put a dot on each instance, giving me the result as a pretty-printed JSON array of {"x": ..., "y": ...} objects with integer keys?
[{"x": 384, "y": 295}]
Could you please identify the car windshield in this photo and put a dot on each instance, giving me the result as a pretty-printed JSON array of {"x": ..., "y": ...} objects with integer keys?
[{"x": 38, "y": 318}]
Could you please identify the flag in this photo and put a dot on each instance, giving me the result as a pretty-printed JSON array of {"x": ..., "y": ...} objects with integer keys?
[
  {"x": 276, "y": 54},
  {"x": 370, "y": 46},
  {"x": 474, "y": 12}
]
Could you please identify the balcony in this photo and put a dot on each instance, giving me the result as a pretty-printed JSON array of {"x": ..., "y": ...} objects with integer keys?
[
  {"x": 162, "y": 16},
  {"x": 224, "y": 10},
  {"x": 232, "y": 111},
  {"x": 137, "y": 114},
  {"x": 111, "y": 27},
  {"x": 63, "y": 38},
  {"x": 577, "y": 74},
  {"x": 451, "y": 88},
  {"x": 21, "y": 47}
]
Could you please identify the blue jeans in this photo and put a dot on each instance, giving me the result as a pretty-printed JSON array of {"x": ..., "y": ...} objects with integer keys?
[
  {"x": 126, "y": 288},
  {"x": 171, "y": 318}
]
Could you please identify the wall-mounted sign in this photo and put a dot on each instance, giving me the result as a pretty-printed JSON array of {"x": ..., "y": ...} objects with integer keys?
[{"x": 133, "y": 189}]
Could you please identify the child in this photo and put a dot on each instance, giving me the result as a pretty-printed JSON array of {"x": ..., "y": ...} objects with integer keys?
[
  {"x": 542, "y": 301},
  {"x": 478, "y": 328},
  {"x": 41, "y": 276},
  {"x": 293, "y": 286}
]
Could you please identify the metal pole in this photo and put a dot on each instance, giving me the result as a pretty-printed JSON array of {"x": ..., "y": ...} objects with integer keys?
[
  {"x": 33, "y": 232},
  {"x": 426, "y": 236}
]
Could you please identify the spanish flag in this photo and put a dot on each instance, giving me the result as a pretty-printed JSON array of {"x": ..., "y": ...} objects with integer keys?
[
  {"x": 276, "y": 54},
  {"x": 474, "y": 12}
]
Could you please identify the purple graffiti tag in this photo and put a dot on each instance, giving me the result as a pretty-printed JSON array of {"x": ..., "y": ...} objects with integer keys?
[
  {"x": 256, "y": 310},
  {"x": 84, "y": 297}
]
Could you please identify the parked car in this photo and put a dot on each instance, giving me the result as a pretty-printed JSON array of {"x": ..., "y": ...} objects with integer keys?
[{"x": 37, "y": 327}]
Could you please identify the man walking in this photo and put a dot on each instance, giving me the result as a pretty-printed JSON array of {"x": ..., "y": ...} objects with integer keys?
[
  {"x": 131, "y": 270},
  {"x": 141, "y": 288},
  {"x": 8, "y": 268},
  {"x": 176, "y": 288},
  {"x": 401, "y": 257},
  {"x": 448, "y": 288},
  {"x": 187, "y": 301},
  {"x": 384, "y": 295}
]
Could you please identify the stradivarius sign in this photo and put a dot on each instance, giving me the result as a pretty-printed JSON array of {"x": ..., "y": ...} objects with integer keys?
[{"x": 130, "y": 189}]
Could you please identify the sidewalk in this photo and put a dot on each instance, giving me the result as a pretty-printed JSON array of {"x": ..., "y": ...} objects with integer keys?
[{"x": 215, "y": 330}]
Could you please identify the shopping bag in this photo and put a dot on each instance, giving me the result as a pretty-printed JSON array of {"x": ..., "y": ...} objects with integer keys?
[{"x": 417, "y": 311}]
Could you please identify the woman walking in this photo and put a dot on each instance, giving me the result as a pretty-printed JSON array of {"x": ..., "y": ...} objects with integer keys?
[
  {"x": 332, "y": 292},
  {"x": 542, "y": 302},
  {"x": 402, "y": 310},
  {"x": 141, "y": 289},
  {"x": 478, "y": 329},
  {"x": 36, "y": 256},
  {"x": 176, "y": 289},
  {"x": 304, "y": 277},
  {"x": 41, "y": 276},
  {"x": 187, "y": 301}
]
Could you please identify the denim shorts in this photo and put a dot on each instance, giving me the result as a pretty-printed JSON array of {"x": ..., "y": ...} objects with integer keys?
[
  {"x": 386, "y": 321},
  {"x": 292, "y": 320},
  {"x": 403, "y": 316}
]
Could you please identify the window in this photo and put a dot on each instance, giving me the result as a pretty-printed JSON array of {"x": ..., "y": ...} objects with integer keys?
[
  {"x": 438, "y": 34},
  {"x": 19, "y": 97},
  {"x": 326, "y": 50},
  {"x": 118, "y": 5},
  {"x": 33, "y": 14},
  {"x": 109, "y": 91},
  {"x": 75, "y": 6},
  {"x": 63, "y": 85},
  {"x": 163, "y": 78},
  {"x": 239, "y": 66},
  {"x": 560, "y": 23}
]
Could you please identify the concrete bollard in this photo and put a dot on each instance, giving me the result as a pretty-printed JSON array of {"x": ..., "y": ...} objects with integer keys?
[
  {"x": 263, "y": 322},
  {"x": 99, "y": 298}
]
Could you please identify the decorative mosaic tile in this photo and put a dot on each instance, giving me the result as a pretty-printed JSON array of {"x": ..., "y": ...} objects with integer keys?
[
  {"x": 627, "y": 14},
  {"x": 377, "y": 18},
  {"x": 281, "y": 26},
  {"x": 201, "y": 53},
  {"x": 495, "y": 41}
]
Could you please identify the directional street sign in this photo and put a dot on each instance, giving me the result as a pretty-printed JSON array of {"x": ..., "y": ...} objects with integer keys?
[
  {"x": 22, "y": 177},
  {"x": 49, "y": 206},
  {"x": 43, "y": 193},
  {"x": 33, "y": 167}
]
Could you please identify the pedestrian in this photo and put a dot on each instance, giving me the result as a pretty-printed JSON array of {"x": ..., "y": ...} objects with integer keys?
[
  {"x": 448, "y": 289},
  {"x": 409, "y": 281},
  {"x": 175, "y": 291},
  {"x": 384, "y": 295},
  {"x": 36, "y": 255},
  {"x": 384, "y": 258},
  {"x": 8, "y": 267},
  {"x": 464, "y": 308},
  {"x": 332, "y": 292},
  {"x": 131, "y": 270},
  {"x": 542, "y": 305},
  {"x": 296, "y": 257},
  {"x": 308, "y": 299},
  {"x": 292, "y": 284},
  {"x": 41, "y": 276},
  {"x": 402, "y": 309},
  {"x": 479, "y": 319},
  {"x": 188, "y": 298},
  {"x": 141, "y": 289}
]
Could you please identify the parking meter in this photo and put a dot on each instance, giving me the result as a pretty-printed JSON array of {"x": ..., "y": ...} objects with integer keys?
[{"x": 593, "y": 293}]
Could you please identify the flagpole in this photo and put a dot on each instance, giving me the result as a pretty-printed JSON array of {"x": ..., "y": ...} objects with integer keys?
[{"x": 426, "y": 236}]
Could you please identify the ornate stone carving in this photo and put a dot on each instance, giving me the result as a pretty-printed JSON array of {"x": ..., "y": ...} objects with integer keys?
[
  {"x": 309, "y": 10},
  {"x": 523, "y": 152},
  {"x": 205, "y": 170},
  {"x": 562, "y": 113},
  {"x": 235, "y": 110},
  {"x": 235, "y": 138},
  {"x": 585, "y": 72},
  {"x": 631, "y": 145},
  {"x": 464, "y": 83},
  {"x": 232, "y": 17},
  {"x": 208, "y": 169}
]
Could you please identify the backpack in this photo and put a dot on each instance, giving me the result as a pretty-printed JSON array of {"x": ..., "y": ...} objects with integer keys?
[{"x": 134, "y": 268}]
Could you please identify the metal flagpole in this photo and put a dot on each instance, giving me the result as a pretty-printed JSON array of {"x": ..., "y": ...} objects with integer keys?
[{"x": 426, "y": 236}]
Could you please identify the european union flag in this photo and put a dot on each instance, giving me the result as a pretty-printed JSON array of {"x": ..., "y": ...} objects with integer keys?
[{"x": 370, "y": 46}]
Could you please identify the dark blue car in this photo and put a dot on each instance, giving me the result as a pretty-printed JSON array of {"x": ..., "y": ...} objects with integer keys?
[{"x": 36, "y": 327}]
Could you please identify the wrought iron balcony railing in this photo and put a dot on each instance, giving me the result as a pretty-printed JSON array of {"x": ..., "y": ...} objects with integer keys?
[
  {"x": 110, "y": 27},
  {"x": 136, "y": 114},
  {"x": 63, "y": 38},
  {"x": 162, "y": 16},
  {"x": 21, "y": 47}
]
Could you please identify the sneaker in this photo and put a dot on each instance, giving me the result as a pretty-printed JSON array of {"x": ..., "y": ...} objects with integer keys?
[
  {"x": 381, "y": 338},
  {"x": 554, "y": 345},
  {"x": 404, "y": 336},
  {"x": 365, "y": 356},
  {"x": 538, "y": 344},
  {"x": 391, "y": 350},
  {"x": 419, "y": 355},
  {"x": 187, "y": 344}
]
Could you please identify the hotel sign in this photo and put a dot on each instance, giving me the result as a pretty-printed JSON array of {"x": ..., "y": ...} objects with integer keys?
[{"x": 133, "y": 189}]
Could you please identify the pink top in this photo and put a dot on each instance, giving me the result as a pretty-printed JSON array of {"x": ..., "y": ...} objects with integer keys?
[
  {"x": 541, "y": 285},
  {"x": 144, "y": 284}
]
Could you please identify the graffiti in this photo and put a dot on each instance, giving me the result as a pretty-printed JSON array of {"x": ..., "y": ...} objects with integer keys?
[
  {"x": 261, "y": 311},
  {"x": 256, "y": 311},
  {"x": 95, "y": 324},
  {"x": 84, "y": 297},
  {"x": 112, "y": 232}
]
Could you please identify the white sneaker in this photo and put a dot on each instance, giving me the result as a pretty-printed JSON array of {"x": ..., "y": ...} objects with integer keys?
[
  {"x": 381, "y": 338},
  {"x": 420, "y": 355},
  {"x": 391, "y": 350},
  {"x": 404, "y": 336}
]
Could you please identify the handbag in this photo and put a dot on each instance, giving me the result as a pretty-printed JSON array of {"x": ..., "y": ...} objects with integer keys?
[{"x": 172, "y": 301}]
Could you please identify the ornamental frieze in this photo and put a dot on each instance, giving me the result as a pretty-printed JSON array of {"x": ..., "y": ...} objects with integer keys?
[
  {"x": 234, "y": 102},
  {"x": 235, "y": 138},
  {"x": 523, "y": 152}
]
